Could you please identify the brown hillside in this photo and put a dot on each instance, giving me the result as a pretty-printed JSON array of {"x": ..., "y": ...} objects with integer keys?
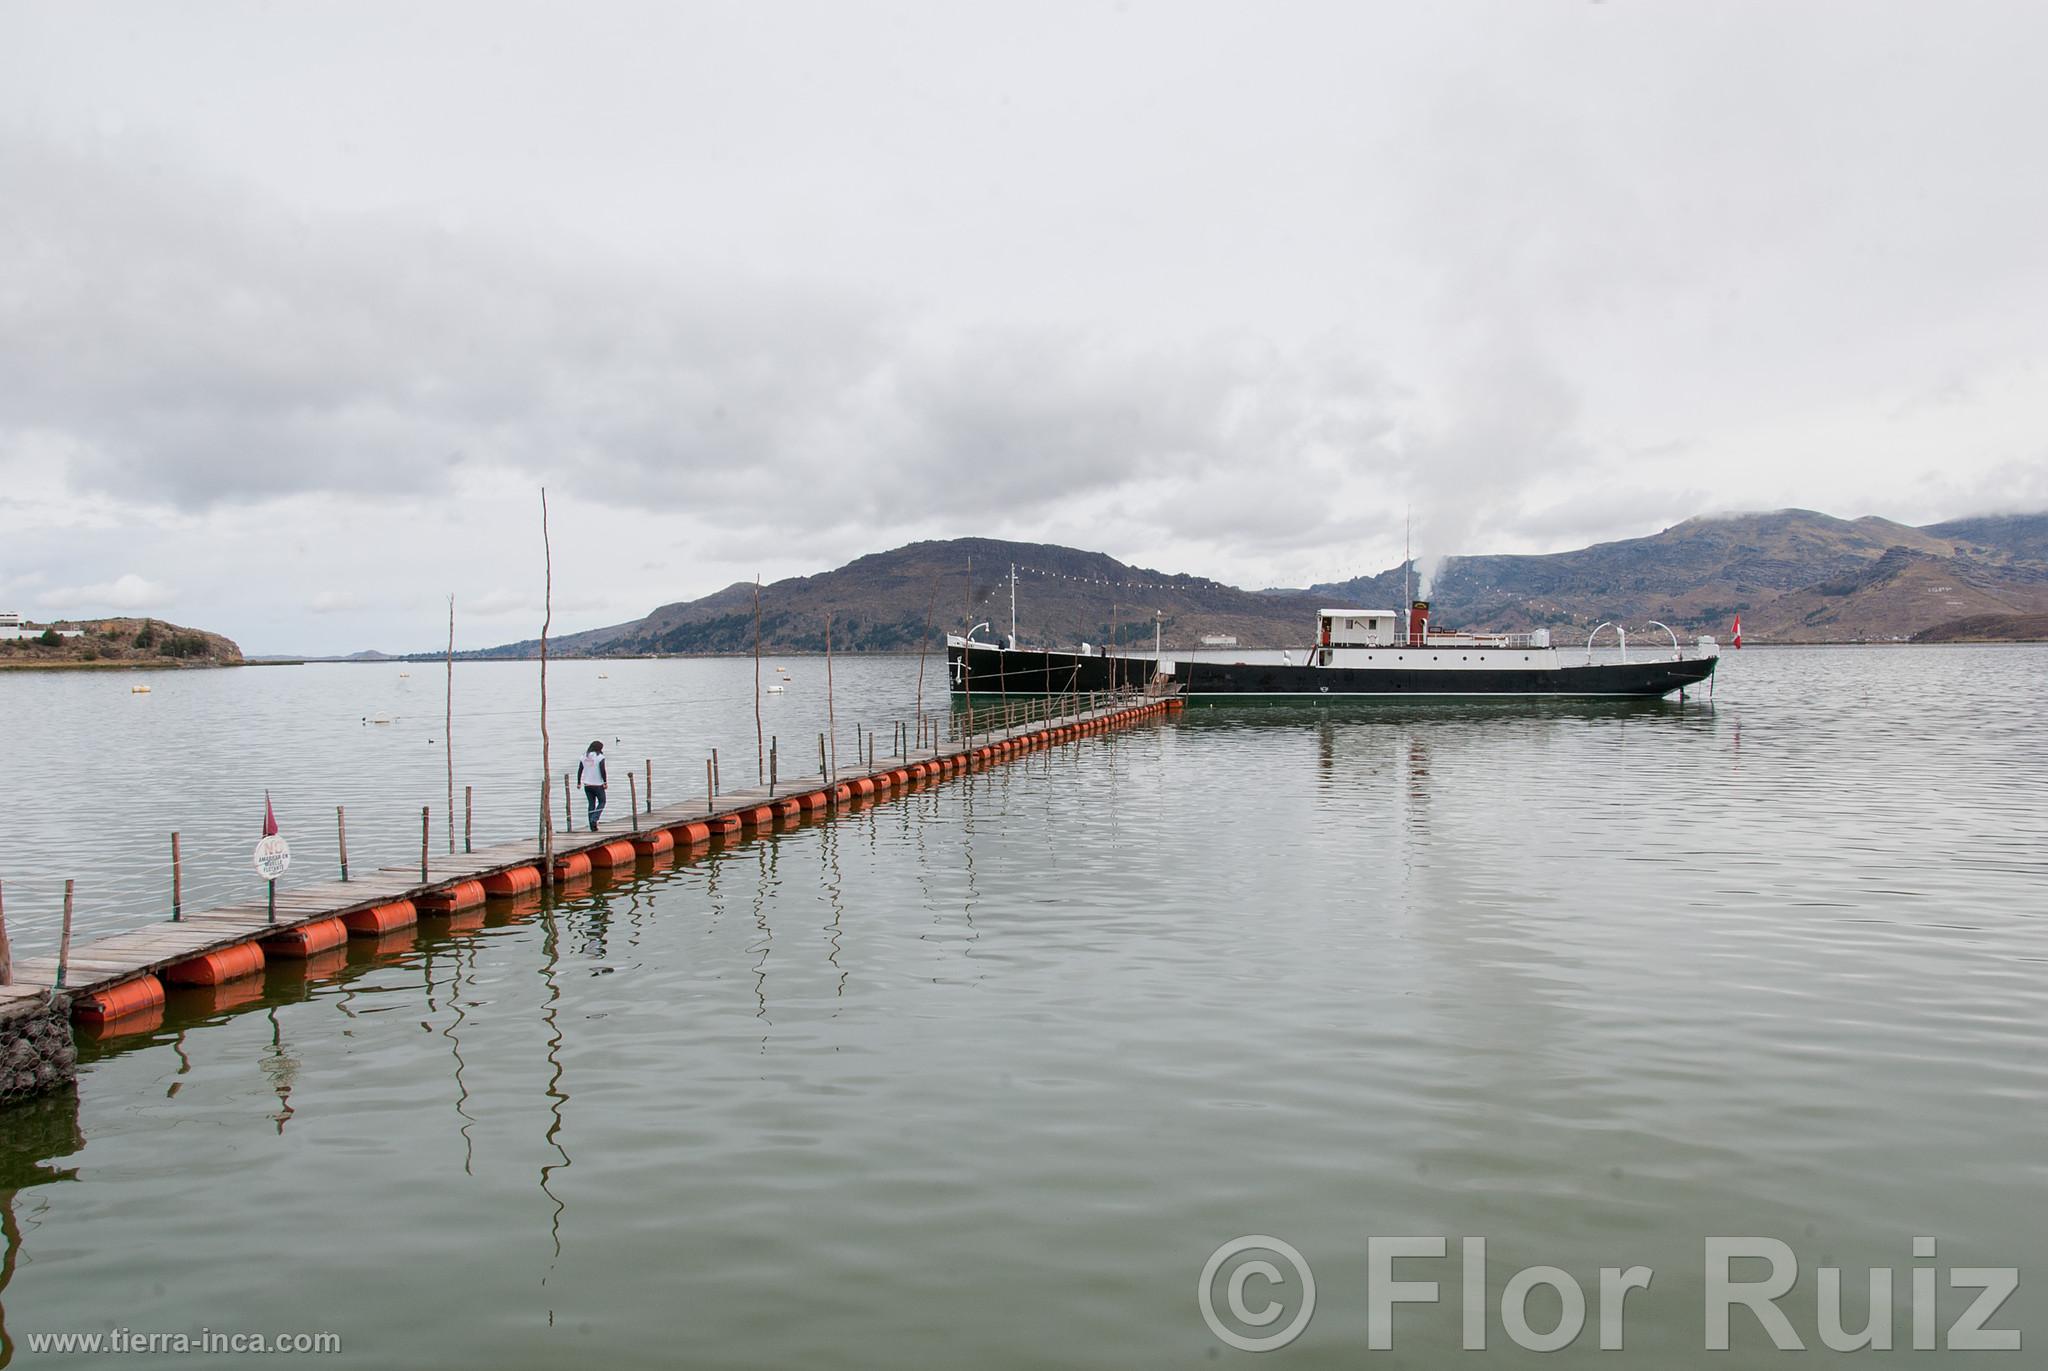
[{"x": 123, "y": 642}]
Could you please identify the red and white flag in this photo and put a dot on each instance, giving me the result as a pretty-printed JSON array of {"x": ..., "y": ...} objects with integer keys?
[{"x": 1738, "y": 633}]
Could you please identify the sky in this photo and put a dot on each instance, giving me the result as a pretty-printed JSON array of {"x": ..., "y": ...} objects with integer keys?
[{"x": 301, "y": 306}]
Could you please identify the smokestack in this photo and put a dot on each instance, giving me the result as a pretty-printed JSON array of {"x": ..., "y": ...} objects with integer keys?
[{"x": 1418, "y": 623}]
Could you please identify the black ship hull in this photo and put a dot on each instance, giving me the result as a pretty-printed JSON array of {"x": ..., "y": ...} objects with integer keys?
[{"x": 989, "y": 670}]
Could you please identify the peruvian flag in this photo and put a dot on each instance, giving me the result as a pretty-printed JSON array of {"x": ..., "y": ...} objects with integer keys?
[
  {"x": 1738, "y": 633},
  {"x": 269, "y": 817}
]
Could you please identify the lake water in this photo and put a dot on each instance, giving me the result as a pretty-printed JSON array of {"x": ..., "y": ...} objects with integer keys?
[{"x": 983, "y": 1075}]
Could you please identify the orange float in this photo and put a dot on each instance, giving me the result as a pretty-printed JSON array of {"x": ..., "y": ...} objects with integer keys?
[
  {"x": 450, "y": 898},
  {"x": 217, "y": 968},
  {"x": 654, "y": 844},
  {"x": 758, "y": 817},
  {"x": 385, "y": 918},
  {"x": 691, "y": 835},
  {"x": 103, "y": 1006},
  {"x": 517, "y": 881},
  {"x": 296, "y": 944},
  {"x": 618, "y": 852},
  {"x": 573, "y": 867}
]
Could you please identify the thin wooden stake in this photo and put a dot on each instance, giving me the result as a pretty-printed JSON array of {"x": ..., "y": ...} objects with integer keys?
[
  {"x": 831, "y": 719},
  {"x": 177, "y": 882},
  {"x": 468, "y": 818},
  {"x": 771, "y": 766},
  {"x": 633, "y": 797},
  {"x": 710, "y": 787},
  {"x": 568, "y": 804},
  {"x": 341, "y": 837},
  {"x": 650, "y": 785},
  {"x": 6, "y": 954},
  {"x": 822, "y": 771},
  {"x": 426, "y": 832},
  {"x": 761, "y": 756},
  {"x": 448, "y": 727},
  {"x": 924, "y": 643},
  {"x": 64, "y": 945},
  {"x": 715, "y": 777},
  {"x": 547, "y": 828}
]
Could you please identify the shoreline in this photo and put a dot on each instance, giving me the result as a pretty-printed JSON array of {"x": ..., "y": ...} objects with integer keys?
[{"x": 128, "y": 666}]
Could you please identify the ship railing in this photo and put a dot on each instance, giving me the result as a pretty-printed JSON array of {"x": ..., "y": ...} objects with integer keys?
[
  {"x": 1702, "y": 647},
  {"x": 1522, "y": 641}
]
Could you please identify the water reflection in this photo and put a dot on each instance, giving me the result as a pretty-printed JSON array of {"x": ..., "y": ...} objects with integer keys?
[{"x": 39, "y": 1131}]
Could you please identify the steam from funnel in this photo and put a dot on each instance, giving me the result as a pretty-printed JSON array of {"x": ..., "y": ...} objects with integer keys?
[{"x": 1426, "y": 571}]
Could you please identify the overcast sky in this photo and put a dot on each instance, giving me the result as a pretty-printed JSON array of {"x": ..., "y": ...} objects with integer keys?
[{"x": 301, "y": 304}]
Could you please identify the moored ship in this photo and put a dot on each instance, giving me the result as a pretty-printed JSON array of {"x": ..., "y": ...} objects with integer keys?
[{"x": 1354, "y": 652}]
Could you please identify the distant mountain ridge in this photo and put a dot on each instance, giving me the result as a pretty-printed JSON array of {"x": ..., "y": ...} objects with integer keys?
[{"x": 1794, "y": 575}]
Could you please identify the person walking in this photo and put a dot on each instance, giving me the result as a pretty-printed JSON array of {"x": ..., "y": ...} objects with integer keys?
[{"x": 594, "y": 782}]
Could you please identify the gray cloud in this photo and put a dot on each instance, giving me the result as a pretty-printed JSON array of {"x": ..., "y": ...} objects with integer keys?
[{"x": 1202, "y": 286}]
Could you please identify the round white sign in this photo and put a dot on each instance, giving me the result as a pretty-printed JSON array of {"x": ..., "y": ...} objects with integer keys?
[{"x": 273, "y": 856}]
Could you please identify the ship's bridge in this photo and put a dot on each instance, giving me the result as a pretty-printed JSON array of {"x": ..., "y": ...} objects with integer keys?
[{"x": 1358, "y": 628}]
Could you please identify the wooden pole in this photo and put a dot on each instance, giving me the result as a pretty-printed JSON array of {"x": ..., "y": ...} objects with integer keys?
[
  {"x": 924, "y": 643},
  {"x": 761, "y": 755},
  {"x": 715, "y": 778},
  {"x": 966, "y": 658},
  {"x": 831, "y": 719},
  {"x": 426, "y": 832},
  {"x": 650, "y": 785},
  {"x": 177, "y": 882},
  {"x": 64, "y": 944},
  {"x": 6, "y": 955},
  {"x": 341, "y": 836},
  {"x": 468, "y": 818},
  {"x": 568, "y": 804},
  {"x": 771, "y": 766},
  {"x": 710, "y": 788},
  {"x": 822, "y": 770},
  {"x": 547, "y": 827},
  {"x": 448, "y": 726},
  {"x": 633, "y": 797}
]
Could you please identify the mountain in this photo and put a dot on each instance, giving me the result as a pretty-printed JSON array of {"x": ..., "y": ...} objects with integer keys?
[
  {"x": 879, "y": 603},
  {"x": 1794, "y": 575},
  {"x": 2022, "y": 537},
  {"x": 1988, "y": 628},
  {"x": 1895, "y": 597}
]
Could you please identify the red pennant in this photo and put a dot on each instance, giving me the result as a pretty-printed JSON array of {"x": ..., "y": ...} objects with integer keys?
[
  {"x": 1738, "y": 633},
  {"x": 269, "y": 817}
]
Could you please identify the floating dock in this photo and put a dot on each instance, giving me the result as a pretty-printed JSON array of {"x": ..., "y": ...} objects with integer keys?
[{"x": 124, "y": 975}]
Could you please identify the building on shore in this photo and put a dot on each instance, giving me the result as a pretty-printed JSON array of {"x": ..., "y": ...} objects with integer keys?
[{"x": 14, "y": 626}]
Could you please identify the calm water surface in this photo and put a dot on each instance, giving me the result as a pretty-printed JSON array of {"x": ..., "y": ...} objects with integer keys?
[{"x": 982, "y": 1075}]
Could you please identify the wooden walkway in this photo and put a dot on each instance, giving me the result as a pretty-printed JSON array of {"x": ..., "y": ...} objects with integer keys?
[{"x": 104, "y": 962}]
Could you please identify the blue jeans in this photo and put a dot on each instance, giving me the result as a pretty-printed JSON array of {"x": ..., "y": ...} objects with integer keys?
[{"x": 595, "y": 795}]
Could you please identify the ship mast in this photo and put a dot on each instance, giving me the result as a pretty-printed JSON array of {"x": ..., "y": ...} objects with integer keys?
[{"x": 1013, "y": 606}]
